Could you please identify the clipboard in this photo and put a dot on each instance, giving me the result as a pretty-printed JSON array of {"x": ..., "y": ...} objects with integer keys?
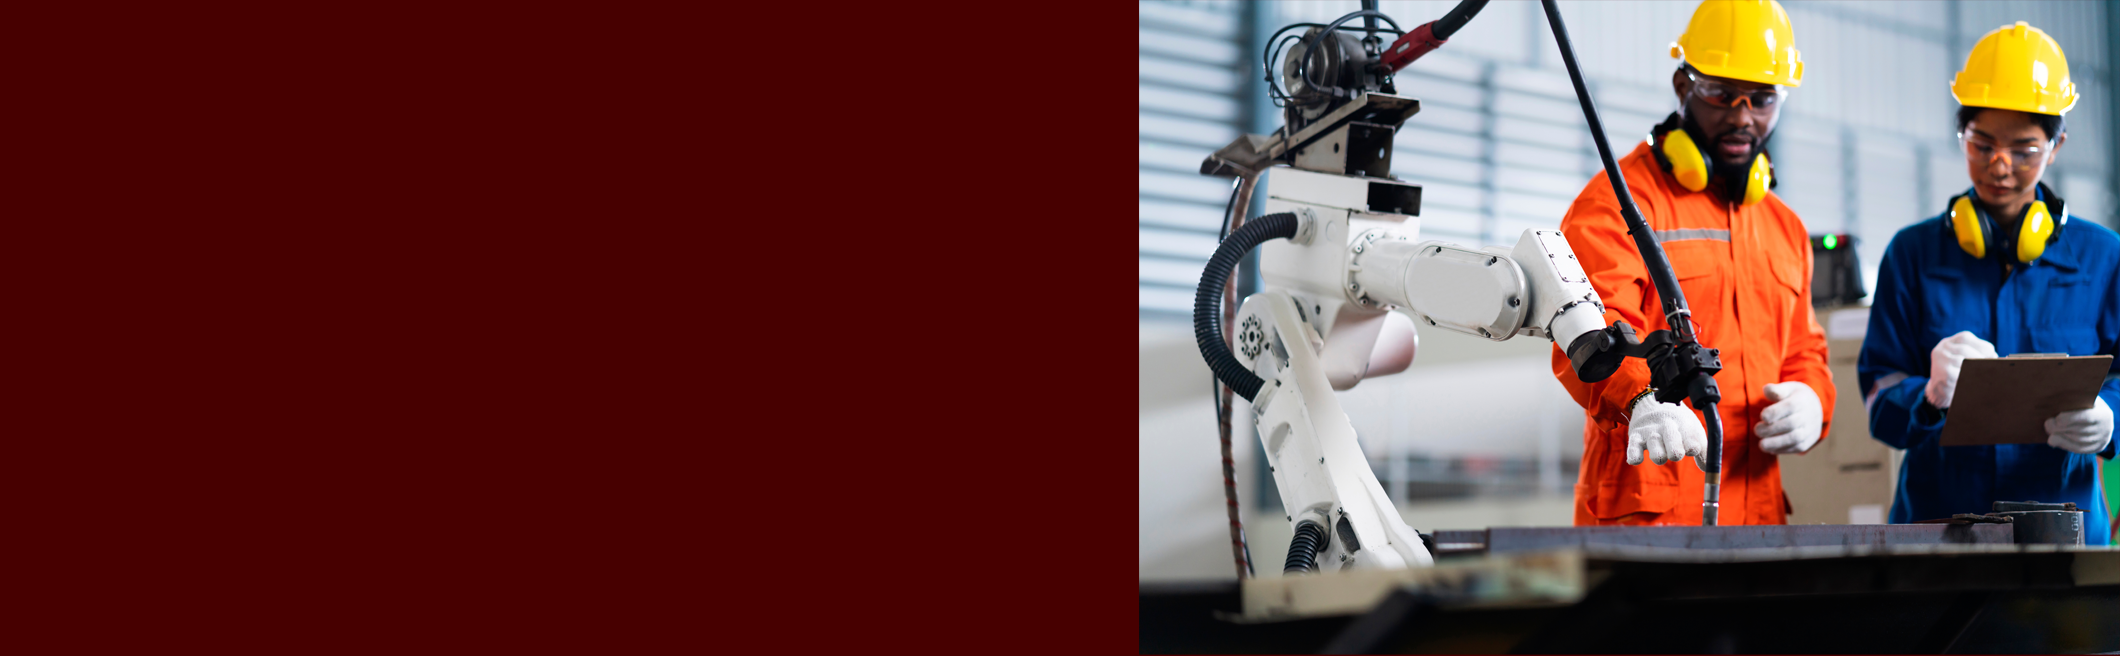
[{"x": 2008, "y": 400}]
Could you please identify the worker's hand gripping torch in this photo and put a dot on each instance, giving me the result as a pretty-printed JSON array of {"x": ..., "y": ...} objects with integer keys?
[{"x": 1679, "y": 366}]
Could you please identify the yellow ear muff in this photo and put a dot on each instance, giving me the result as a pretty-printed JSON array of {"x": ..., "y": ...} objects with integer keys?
[
  {"x": 1971, "y": 231},
  {"x": 2038, "y": 225},
  {"x": 1686, "y": 162},
  {"x": 1757, "y": 180}
]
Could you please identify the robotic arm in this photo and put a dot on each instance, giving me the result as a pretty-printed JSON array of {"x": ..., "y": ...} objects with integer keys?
[
  {"x": 1347, "y": 286},
  {"x": 1347, "y": 283}
]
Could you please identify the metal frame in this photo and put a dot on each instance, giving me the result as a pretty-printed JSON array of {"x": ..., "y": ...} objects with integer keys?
[{"x": 1894, "y": 599}]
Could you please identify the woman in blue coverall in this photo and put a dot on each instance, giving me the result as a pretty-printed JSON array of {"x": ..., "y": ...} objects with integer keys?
[{"x": 2003, "y": 270}]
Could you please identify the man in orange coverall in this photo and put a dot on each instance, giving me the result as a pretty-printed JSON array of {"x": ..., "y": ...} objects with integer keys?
[{"x": 1744, "y": 261}]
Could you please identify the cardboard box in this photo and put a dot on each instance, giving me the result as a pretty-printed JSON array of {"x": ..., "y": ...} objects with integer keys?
[{"x": 1849, "y": 478}]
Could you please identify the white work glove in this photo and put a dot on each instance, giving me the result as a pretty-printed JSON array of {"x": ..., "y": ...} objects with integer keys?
[
  {"x": 1945, "y": 360},
  {"x": 1666, "y": 431},
  {"x": 1794, "y": 420},
  {"x": 2081, "y": 431}
]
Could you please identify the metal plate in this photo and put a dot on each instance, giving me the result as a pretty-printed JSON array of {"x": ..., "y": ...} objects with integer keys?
[{"x": 1508, "y": 539}]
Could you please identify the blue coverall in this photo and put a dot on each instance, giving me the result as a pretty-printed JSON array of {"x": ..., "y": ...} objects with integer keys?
[{"x": 1928, "y": 288}]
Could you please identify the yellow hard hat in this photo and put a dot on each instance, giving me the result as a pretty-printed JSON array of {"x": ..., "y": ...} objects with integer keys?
[
  {"x": 2016, "y": 67},
  {"x": 1741, "y": 40}
]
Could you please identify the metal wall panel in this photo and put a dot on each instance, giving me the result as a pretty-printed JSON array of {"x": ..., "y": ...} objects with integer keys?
[
  {"x": 1215, "y": 20},
  {"x": 1450, "y": 145},
  {"x": 1213, "y": 51},
  {"x": 1888, "y": 199},
  {"x": 2078, "y": 26},
  {"x": 1627, "y": 43},
  {"x": 1438, "y": 169},
  {"x": 1810, "y": 177},
  {"x": 2089, "y": 127},
  {"x": 1441, "y": 94},
  {"x": 1561, "y": 160},
  {"x": 1451, "y": 224},
  {"x": 1168, "y": 158},
  {"x": 1541, "y": 183},
  {"x": 1499, "y": 117},
  {"x": 1929, "y": 15},
  {"x": 1181, "y": 216},
  {"x": 1192, "y": 101},
  {"x": 1947, "y": 177},
  {"x": 1189, "y": 104},
  {"x": 1447, "y": 64},
  {"x": 1179, "y": 187},
  {"x": 1188, "y": 75},
  {"x": 2088, "y": 195},
  {"x": 1191, "y": 132},
  {"x": 1546, "y": 210},
  {"x": 1184, "y": 245},
  {"x": 1459, "y": 197},
  {"x": 1436, "y": 116}
]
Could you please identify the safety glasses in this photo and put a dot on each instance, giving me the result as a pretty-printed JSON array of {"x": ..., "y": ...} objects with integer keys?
[
  {"x": 1727, "y": 96},
  {"x": 2023, "y": 158}
]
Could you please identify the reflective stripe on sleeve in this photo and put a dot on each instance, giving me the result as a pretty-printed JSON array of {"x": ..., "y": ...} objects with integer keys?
[{"x": 1683, "y": 234}]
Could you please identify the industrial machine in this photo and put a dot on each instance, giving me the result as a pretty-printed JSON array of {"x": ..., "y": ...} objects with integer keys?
[{"x": 1348, "y": 283}]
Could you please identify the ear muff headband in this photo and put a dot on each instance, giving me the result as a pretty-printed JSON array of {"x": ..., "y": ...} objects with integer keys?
[
  {"x": 2035, "y": 232},
  {"x": 1688, "y": 162}
]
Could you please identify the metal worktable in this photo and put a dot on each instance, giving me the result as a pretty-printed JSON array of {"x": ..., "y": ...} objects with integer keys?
[{"x": 1732, "y": 589}]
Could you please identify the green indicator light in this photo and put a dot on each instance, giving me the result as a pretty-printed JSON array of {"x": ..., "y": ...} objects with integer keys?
[{"x": 1832, "y": 241}]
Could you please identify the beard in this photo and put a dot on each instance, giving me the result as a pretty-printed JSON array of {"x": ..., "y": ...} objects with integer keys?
[{"x": 1728, "y": 179}]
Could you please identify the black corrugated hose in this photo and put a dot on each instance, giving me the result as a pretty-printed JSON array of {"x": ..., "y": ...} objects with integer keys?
[
  {"x": 1303, "y": 549},
  {"x": 1207, "y": 322}
]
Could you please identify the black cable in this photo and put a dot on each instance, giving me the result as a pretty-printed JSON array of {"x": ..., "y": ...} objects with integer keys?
[
  {"x": 1303, "y": 67},
  {"x": 1456, "y": 18},
  {"x": 1215, "y": 385},
  {"x": 1283, "y": 98},
  {"x": 1358, "y": 14},
  {"x": 1714, "y": 428},
  {"x": 1393, "y": 29},
  {"x": 1280, "y": 97},
  {"x": 1674, "y": 299},
  {"x": 1698, "y": 380},
  {"x": 1326, "y": 34},
  {"x": 1273, "y": 50}
]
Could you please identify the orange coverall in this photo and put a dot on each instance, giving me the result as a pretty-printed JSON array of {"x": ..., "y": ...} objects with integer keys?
[{"x": 1746, "y": 272}]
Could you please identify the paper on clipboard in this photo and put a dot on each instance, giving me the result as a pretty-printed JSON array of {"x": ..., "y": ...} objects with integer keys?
[{"x": 2008, "y": 400}]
